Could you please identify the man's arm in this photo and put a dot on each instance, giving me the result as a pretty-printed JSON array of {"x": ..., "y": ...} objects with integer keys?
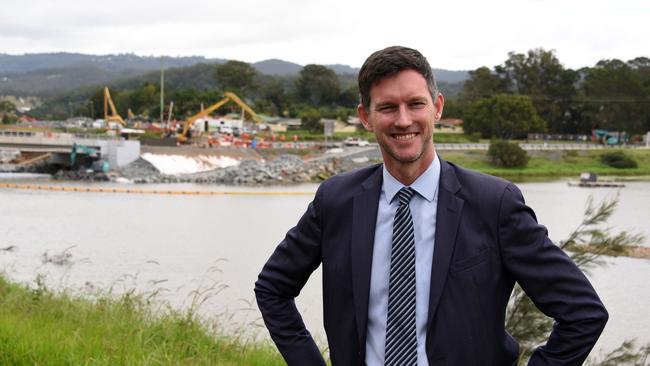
[
  {"x": 554, "y": 283},
  {"x": 281, "y": 280}
]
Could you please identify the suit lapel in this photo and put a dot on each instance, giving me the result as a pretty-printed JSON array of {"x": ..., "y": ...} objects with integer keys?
[
  {"x": 364, "y": 218},
  {"x": 447, "y": 220}
]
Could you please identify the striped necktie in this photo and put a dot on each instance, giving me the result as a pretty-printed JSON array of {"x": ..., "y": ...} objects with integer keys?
[{"x": 401, "y": 338}]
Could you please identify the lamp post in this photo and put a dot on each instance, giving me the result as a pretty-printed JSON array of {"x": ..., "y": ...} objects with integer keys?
[{"x": 162, "y": 90}]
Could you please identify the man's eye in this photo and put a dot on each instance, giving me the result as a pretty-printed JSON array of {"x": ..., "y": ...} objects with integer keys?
[
  {"x": 386, "y": 108},
  {"x": 418, "y": 104}
]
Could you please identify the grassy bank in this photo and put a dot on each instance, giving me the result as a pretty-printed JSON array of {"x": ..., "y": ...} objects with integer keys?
[
  {"x": 41, "y": 327},
  {"x": 544, "y": 165}
]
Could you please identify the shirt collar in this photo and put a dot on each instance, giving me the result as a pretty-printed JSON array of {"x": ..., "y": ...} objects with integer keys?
[{"x": 426, "y": 185}]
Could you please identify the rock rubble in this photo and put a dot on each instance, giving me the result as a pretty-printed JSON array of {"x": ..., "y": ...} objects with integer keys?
[{"x": 281, "y": 170}]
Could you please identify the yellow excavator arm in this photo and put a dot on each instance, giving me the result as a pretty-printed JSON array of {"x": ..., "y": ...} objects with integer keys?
[
  {"x": 228, "y": 96},
  {"x": 114, "y": 116}
]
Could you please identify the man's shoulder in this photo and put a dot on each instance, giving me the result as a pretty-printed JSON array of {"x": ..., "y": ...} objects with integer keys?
[
  {"x": 349, "y": 183},
  {"x": 472, "y": 181}
]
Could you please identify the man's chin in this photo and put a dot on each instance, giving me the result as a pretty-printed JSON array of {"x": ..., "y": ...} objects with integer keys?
[{"x": 406, "y": 158}]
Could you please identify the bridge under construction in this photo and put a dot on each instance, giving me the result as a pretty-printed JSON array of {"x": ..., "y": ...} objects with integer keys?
[{"x": 59, "y": 148}]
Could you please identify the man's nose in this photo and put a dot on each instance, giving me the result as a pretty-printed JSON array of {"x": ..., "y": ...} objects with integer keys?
[{"x": 403, "y": 117}]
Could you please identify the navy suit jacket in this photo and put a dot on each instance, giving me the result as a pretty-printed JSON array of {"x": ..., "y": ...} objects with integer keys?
[{"x": 486, "y": 240}]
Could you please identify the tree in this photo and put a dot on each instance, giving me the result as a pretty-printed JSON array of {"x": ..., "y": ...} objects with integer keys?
[
  {"x": 97, "y": 101},
  {"x": 310, "y": 120},
  {"x": 317, "y": 85},
  {"x": 585, "y": 245},
  {"x": 236, "y": 76},
  {"x": 540, "y": 75},
  {"x": 273, "y": 90},
  {"x": 7, "y": 112},
  {"x": 349, "y": 97},
  {"x": 144, "y": 99},
  {"x": 616, "y": 97},
  {"x": 507, "y": 154},
  {"x": 502, "y": 116},
  {"x": 482, "y": 83},
  {"x": 188, "y": 102}
]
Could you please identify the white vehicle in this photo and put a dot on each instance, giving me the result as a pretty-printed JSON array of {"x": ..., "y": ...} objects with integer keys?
[
  {"x": 355, "y": 141},
  {"x": 225, "y": 130}
]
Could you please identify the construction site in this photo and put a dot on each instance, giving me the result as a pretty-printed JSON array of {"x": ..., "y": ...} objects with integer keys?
[{"x": 207, "y": 147}]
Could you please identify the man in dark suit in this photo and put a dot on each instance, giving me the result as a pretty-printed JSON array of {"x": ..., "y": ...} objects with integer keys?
[{"x": 420, "y": 256}]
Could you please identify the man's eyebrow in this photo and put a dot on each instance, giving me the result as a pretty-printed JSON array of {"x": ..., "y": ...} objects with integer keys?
[
  {"x": 384, "y": 104},
  {"x": 418, "y": 98}
]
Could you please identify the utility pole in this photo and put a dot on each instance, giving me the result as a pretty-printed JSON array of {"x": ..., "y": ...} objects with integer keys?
[{"x": 162, "y": 90}]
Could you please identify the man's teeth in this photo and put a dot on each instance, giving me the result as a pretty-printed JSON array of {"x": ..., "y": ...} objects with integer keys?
[{"x": 405, "y": 137}]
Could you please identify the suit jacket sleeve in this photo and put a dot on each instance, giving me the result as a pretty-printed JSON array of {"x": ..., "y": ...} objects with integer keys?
[
  {"x": 282, "y": 278},
  {"x": 554, "y": 283}
]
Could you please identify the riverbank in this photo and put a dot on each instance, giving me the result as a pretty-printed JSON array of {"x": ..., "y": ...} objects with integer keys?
[
  {"x": 290, "y": 166},
  {"x": 41, "y": 327},
  {"x": 271, "y": 166},
  {"x": 554, "y": 164}
]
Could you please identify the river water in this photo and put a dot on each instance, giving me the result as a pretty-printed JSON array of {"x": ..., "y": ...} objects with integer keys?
[{"x": 214, "y": 246}]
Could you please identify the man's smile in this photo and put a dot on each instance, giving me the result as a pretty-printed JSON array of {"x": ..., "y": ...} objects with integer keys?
[{"x": 404, "y": 136}]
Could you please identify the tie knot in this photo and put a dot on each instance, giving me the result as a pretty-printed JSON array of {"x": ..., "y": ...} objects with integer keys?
[{"x": 405, "y": 194}]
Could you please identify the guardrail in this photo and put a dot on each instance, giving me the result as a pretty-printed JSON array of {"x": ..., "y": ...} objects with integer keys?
[
  {"x": 532, "y": 147},
  {"x": 57, "y": 135}
]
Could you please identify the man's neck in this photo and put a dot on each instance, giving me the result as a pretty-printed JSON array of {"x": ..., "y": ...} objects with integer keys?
[{"x": 407, "y": 173}]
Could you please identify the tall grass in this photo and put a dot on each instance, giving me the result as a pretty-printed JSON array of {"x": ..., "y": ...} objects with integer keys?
[{"x": 39, "y": 326}]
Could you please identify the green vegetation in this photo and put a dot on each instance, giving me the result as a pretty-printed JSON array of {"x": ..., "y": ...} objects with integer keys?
[
  {"x": 552, "y": 164},
  {"x": 41, "y": 327},
  {"x": 612, "y": 95},
  {"x": 527, "y": 92},
  {"x": 7, "y": 112},
  {"x": 619, "y": 160},
  {"x": 507, "y": 154},
  {"x": 310, "y": 120},
  {"x": 502, "y": 116},
  {"x": 585, "y": 245}
]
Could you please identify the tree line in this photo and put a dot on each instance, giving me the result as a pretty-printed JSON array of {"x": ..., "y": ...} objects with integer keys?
[
  {"x": 528, "y": 92},
  {"x": 315, "y": 91},
  {"x": 534, "y": 92}
]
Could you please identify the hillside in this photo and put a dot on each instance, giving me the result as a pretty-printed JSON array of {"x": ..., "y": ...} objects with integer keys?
[
  {"x": 52, "y": 74},
  {"x": 17, "y": 64}
]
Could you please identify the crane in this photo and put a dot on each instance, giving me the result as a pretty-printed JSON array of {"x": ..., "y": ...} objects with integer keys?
[
  {"x": 114, "y": 116},
  {"x": 228, "y": 97}
]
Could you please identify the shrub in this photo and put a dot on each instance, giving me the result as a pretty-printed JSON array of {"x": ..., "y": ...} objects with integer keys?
[
  {"x": 474, "y": 137},
  {"x": 310, "y": 120},
  {"x": 618, "y": 159},
  {"x": 507, "y": 154}
]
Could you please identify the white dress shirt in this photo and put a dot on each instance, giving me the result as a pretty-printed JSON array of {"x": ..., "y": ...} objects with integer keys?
[{"x": 423, "y": 210}]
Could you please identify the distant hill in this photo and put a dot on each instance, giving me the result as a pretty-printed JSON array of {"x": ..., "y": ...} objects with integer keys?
[
  {"x": 50, "y": 74},
  {"x": 277, "y": 67},
  {"x": 110, "y": 63},
  {"x": 449, "y": 76}
]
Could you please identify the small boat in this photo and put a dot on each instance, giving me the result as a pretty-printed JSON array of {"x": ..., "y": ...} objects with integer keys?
[{"x": 590, "y": 180}]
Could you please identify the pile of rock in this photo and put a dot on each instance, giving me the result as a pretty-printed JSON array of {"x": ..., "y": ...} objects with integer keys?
[
  {"x": 283, "y": 169},
  {"x": 139, "y": 171},
  {"x": 7, "y": 156},
  {"x": 6, "y": 159}
]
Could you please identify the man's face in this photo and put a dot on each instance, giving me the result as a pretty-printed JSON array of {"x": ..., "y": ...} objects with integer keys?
[{"x": 402, "y": 116}]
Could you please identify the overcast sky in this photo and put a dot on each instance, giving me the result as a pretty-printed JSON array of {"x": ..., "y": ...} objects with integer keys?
[{"x": 452, "y": 34}]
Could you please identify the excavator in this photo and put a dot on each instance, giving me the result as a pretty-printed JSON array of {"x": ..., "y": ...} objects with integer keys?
[
  {"x": 228, "y": 97},
  {"x": 114, "y": 116}
]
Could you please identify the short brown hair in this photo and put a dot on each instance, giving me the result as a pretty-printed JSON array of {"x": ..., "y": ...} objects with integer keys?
[{"x": 388, "y": 62}]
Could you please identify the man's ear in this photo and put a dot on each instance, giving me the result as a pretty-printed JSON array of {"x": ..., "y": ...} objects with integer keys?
[
  {"x": 363, "y": 116},
  {"x": 439, "y": 103}
]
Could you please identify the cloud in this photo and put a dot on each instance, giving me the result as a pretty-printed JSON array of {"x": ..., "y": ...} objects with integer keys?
[{"x": 463, "y": 34}]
